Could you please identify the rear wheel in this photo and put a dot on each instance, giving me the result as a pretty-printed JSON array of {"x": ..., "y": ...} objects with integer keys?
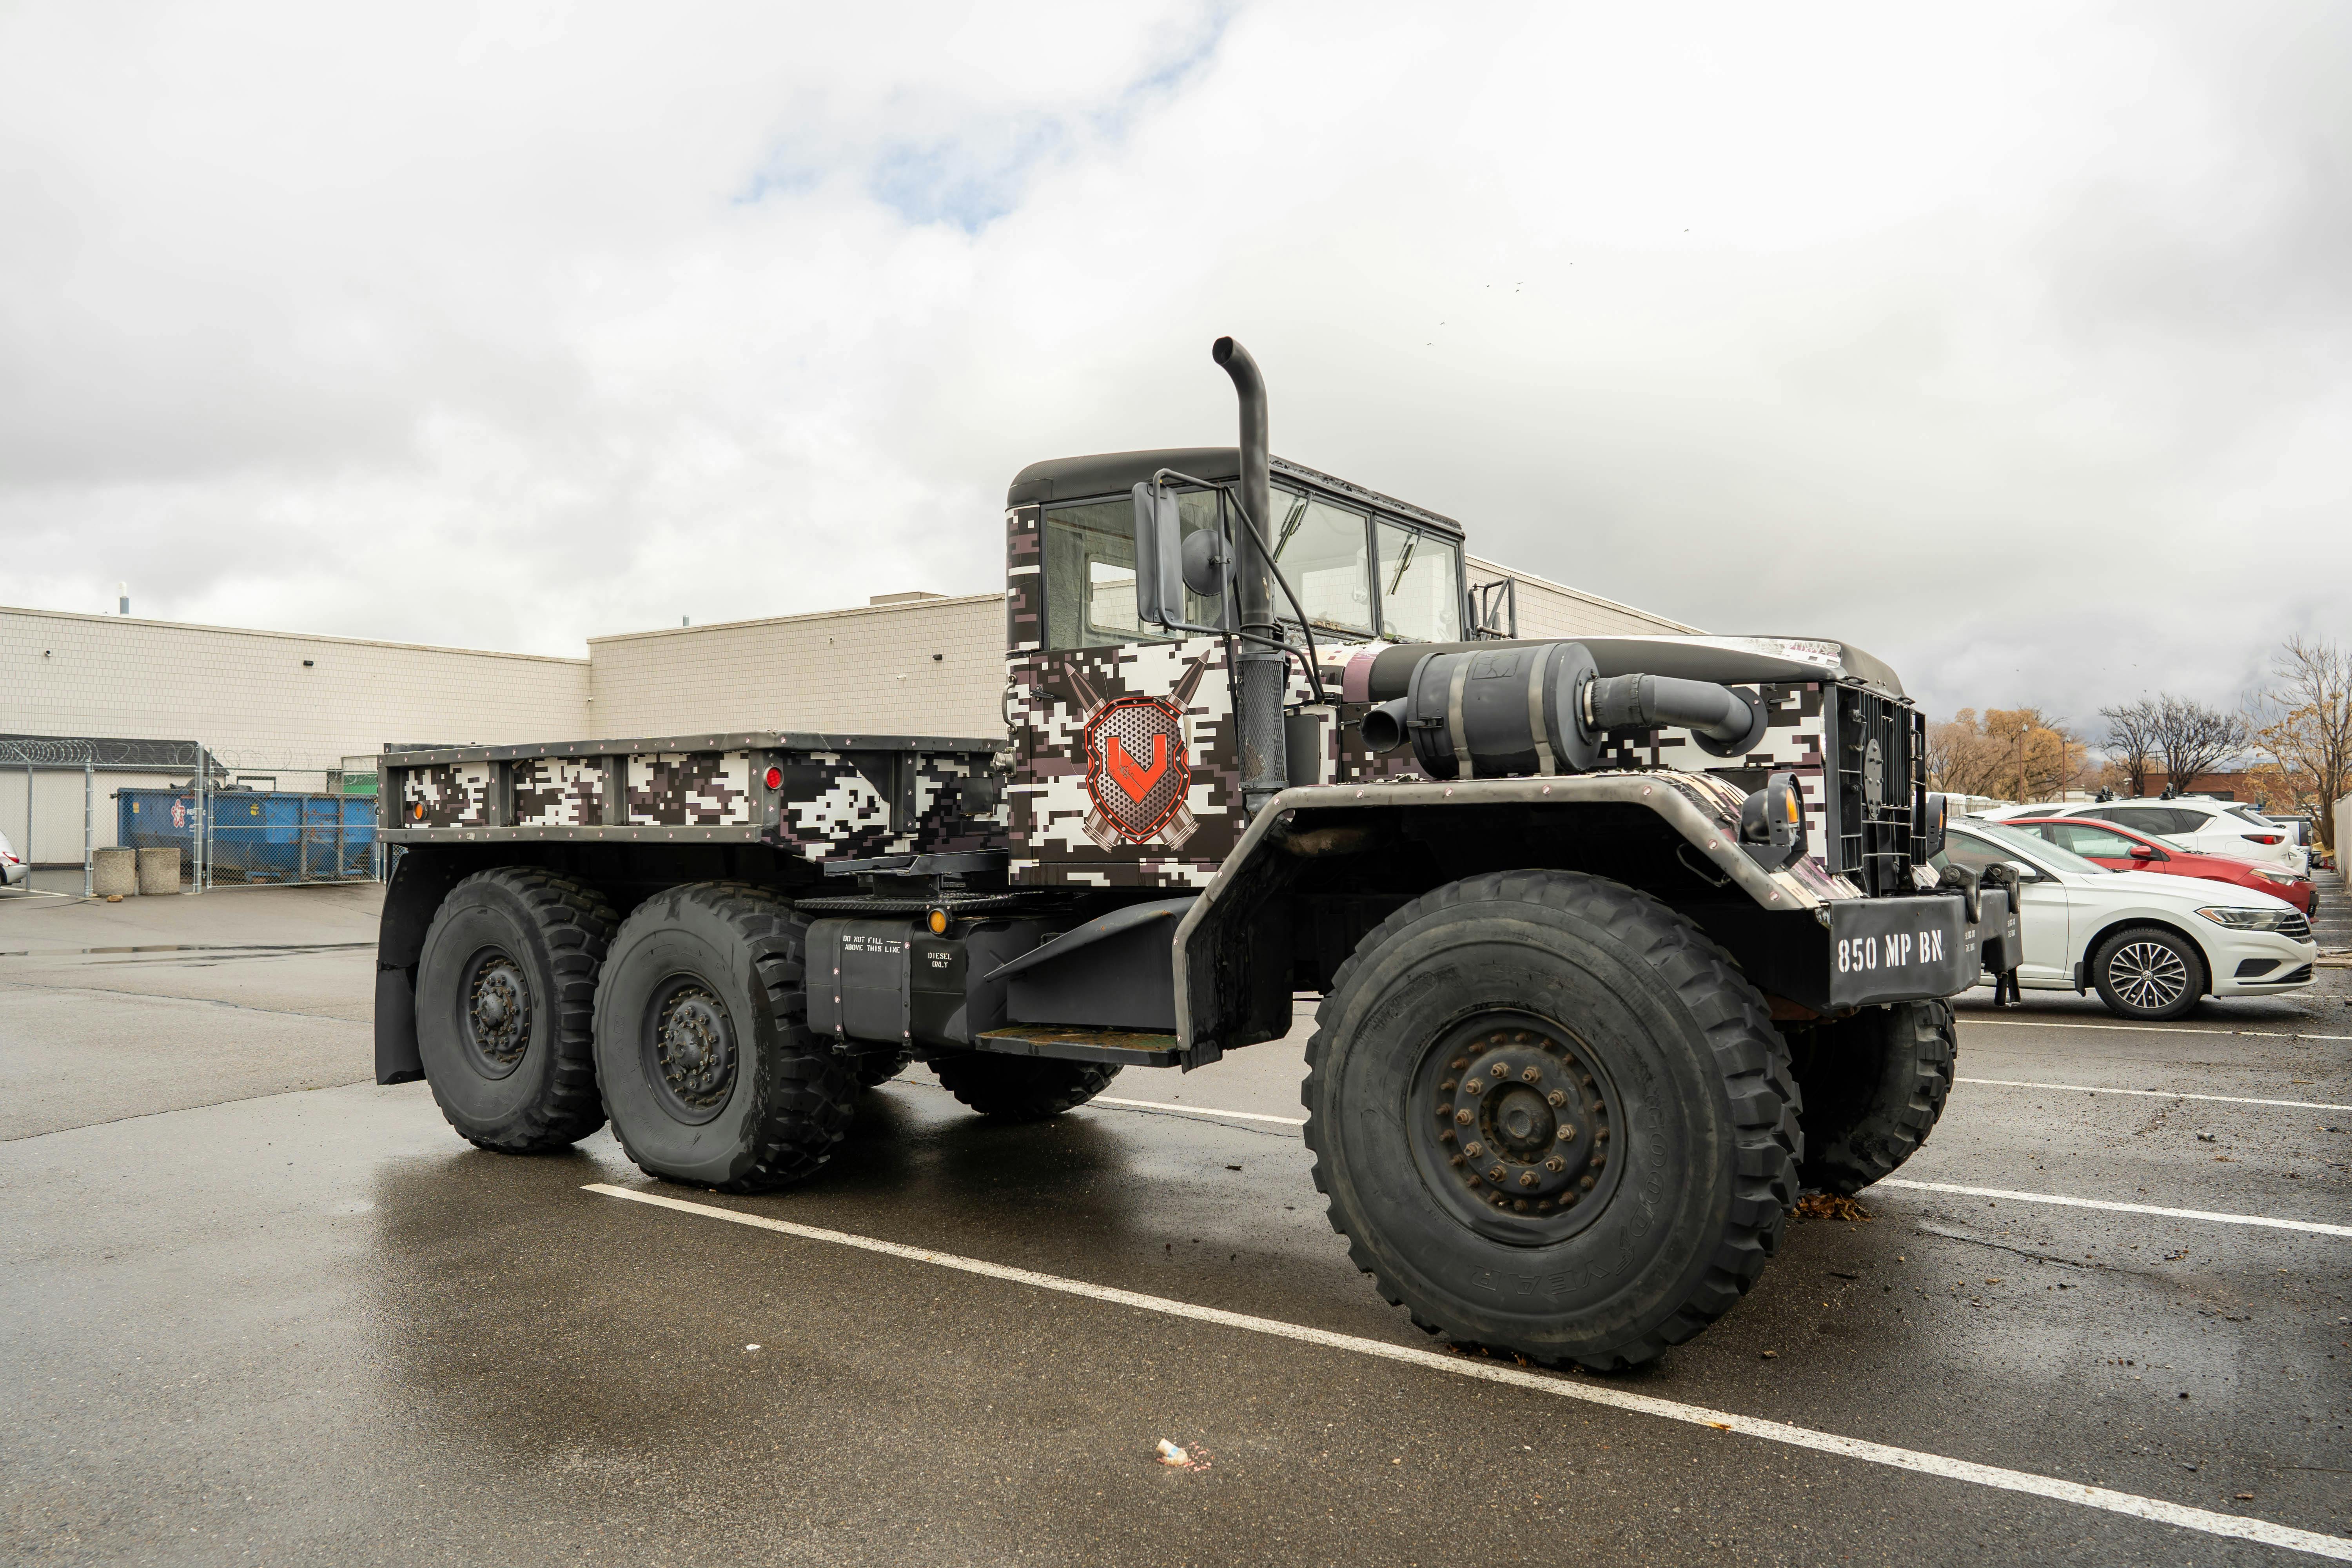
[
  {"x": 1021, "y": 1088},
  {"x": 506, "y": 984},
  {"x": 703, "y": 1048},
  {"x": 2148, "y": 974},
  {"x": 1552, "y": 1118},
  {"x": 1874, "y": 1086}
]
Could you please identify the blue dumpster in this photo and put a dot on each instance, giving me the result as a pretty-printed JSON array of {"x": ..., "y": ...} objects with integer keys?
[{"x": 257, "y": 835}]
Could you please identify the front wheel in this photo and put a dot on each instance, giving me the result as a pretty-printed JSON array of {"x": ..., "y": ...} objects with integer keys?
[
  {"x": 1874, "y": 1085},
  {"x": 2148, "y": 974},
  {"x": 1552, "y": 1118},
  {"x": 703, "y": 1046}
]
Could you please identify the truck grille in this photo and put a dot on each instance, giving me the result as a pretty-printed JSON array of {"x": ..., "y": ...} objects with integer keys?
[{"x": 1880, "y": 785}]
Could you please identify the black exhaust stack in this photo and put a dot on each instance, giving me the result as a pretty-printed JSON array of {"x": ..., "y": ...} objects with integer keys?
[{"x": 1264, "y": 765}]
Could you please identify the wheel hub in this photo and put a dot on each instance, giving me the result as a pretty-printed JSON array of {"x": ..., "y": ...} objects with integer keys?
[
  {"x": 497, "y": 1012},
  {"x": 1521, "y": 1122},
  {"x": 2148, "y": 975},
  {"x": 690, "y": 1047}
]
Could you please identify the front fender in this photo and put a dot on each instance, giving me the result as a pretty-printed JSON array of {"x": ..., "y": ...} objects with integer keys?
[{"x": 1702, "y": 811}]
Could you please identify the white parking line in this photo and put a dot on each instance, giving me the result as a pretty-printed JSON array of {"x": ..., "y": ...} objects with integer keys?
[
  {"x": 2314, "y": 1227},
  {"x": 1198, "y": 1110},
  {"x": 2025, "y": 1481},
  {"x": 2157, "y": 1093},
  {"x": 2146, "y": 1028}
]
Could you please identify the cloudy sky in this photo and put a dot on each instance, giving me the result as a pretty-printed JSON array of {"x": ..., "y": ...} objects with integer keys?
[{"x": 2013, "y": 343}]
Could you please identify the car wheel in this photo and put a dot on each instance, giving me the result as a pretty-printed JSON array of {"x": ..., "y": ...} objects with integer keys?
[{"x": 2147, "y": 974}]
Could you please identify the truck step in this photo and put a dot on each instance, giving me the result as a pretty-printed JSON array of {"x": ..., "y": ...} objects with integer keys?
[{"x": 1082, "y": 1042}]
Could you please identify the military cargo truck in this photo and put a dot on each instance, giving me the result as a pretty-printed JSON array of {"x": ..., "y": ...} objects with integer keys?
[{"x": 1617, "y": 941}]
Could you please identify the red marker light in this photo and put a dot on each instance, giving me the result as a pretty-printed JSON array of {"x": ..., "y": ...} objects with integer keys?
[
  {"x": 2262, "y": 837},
  {"x": 775, "y": 778}
]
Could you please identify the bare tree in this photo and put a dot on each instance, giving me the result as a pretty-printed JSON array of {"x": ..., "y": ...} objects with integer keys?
[
  {"x": 2304, "y": 720},
  {"x": 2131, "y": 740},
  {"x": 2193, "y": 739}
]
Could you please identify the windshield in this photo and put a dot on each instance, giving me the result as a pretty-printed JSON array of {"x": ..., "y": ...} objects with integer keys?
[
  {"x": 1420, "y": 586},
  {"x": 1325, "y": 552},
  {"x": 2016, "y": 844}
]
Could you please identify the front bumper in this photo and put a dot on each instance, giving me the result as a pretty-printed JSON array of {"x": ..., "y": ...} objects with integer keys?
[{"x": 2289, "y": 964}]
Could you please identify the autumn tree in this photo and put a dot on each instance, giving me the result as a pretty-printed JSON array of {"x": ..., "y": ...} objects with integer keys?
[
  {"x": 2304, "y": 720},
  {"x": 2019, "y": 752}
]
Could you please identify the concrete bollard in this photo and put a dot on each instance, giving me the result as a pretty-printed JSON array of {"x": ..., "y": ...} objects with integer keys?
[
  {"x": 159, "y": 870},
  {"x": 114, "y": 871}
]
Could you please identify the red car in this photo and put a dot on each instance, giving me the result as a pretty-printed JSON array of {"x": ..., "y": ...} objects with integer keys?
[{"x": 2125, "y": 849}]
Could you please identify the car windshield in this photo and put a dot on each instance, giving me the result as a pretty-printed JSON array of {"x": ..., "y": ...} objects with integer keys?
[{"x": 2036, "y": 850}]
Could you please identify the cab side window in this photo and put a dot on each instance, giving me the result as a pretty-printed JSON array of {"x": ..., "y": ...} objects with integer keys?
[{"x": 2146, "y": 818}]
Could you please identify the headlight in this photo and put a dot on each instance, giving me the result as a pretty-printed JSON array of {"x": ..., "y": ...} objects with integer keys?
[
  {"x": 2269, "y": 876},
  {"x": 2252, "y": 919}
]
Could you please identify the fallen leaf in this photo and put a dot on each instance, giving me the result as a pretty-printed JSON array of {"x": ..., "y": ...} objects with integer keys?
[{"x": 1830, "y": 1206}]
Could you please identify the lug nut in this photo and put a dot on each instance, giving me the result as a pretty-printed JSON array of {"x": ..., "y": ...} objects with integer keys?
[
  {"x": 1555, "y": 1164},
  {"x": 1586, "y": 1184},
  {"x": 1526, "y": 1178},
  {"x": 1599, "y": 1158},
  {"x": 1455, "y": 1160},
  {"x": 1521, "y": 1037},
  {"x": 1493, "y": 1173},
  {"x": 1556, "y": 1097},
  {"x": 1521, "y": 1205},
  {"x": 1445, "y": 1087},
  {"x": 1446, "y": 1136},
  {"x": 1600, "y": 1136},
  {"x": 1564, "y": 1131},
  {"x": 1444, "y": 1112},
  {"x": 1458, "y": 1063},
  {"x": 1463, "y": 1117},
  {"x": 1532, "y": 1074},
  {"x": 1473, "y": 1084},
  {"x": 1501, "y": 1068},
  {"x": 1473, "y": 1149}
]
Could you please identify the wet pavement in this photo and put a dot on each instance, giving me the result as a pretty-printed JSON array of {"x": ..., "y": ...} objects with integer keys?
[{"x": 257, "y": 1308}]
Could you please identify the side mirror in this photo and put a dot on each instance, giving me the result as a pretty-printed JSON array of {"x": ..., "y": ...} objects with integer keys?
[
  {"x": 2025, "y": 873},
  {"x": 1159, "y": 556},
  {"x": 2142, "y": 852},
  {"x": 1204, "y": 563}
]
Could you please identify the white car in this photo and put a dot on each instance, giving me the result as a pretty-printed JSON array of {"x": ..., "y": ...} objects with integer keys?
[
  {"x": 2199, "y": 825},
  {"x": 2150, "y": 945},
  {"x": 13, "y": 871}
]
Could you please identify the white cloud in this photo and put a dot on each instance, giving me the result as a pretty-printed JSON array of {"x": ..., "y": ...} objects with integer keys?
[{"x": 2011, "y": 345}]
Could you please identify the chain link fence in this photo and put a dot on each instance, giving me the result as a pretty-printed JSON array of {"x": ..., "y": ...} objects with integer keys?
[{"x": 228, "y": 825}]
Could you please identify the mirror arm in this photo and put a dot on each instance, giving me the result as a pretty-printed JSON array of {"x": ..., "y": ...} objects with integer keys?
[{"x": 1314, "y": 675}]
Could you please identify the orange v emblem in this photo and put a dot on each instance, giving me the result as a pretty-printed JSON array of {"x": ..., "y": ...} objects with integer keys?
[{"x": 1130, "y": 775}]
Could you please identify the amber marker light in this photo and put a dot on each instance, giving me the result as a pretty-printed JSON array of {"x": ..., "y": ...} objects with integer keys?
[{"x": 938, "y": 923}]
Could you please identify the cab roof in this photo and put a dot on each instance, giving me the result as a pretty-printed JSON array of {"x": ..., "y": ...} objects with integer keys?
[{"x": 1115, "y": 473}]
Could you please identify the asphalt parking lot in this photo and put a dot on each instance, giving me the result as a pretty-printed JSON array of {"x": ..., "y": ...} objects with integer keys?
[{"x": 257, "y": 1308}]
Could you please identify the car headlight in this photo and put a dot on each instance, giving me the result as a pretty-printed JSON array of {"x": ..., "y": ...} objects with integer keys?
[
  {"x": 2269, "y": 876},
  {"x": 2252, "y": 919}
]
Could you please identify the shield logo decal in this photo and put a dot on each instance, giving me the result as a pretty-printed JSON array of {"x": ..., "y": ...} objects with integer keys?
[{"x": 1138, "y": 774}]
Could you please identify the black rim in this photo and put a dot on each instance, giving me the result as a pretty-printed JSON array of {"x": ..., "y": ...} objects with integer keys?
[
  {"x": 494, "y": 1007},
  {"x": 688, "y": 1049},
  {"x": 1511, "y": 1118}
]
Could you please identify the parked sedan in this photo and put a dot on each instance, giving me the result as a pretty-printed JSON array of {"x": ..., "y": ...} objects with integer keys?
[
  {"x": 2202, "y": 826},
  {"x": 2151, "y": 945},
  {"x": 2121, "y": 849},
  {"x": 13, "y": 871}
]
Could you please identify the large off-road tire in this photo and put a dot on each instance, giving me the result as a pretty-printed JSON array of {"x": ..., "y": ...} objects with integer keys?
[
  {"x": 1875, "y": 1084},
  {"x": 506, "y": 985},
  {"x": 702, "y": 1044},
  {"x": 2148, "y": 974},
  {"x": 1021, "y": 1088},
  {"x": 1635, "y": 1129}
]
